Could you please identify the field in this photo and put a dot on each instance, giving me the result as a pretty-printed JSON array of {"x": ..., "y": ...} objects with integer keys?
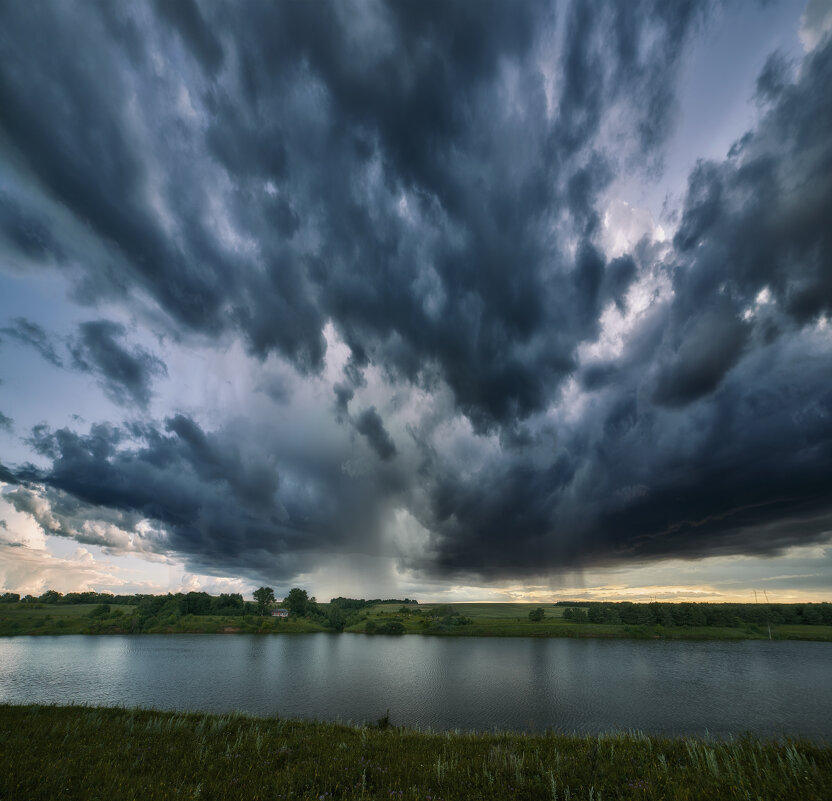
[
  {"x": 459, "y": 620},
  {"x": 113, "y": 754},
  {"x": 51, "y": 619},
  {"x": 512, "y": 620}
]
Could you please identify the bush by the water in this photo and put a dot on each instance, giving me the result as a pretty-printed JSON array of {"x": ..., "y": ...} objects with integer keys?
[{"x": 388, "y": 627}]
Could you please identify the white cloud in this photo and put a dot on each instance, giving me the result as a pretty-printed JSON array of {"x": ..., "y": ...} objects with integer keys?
[
  {"x": 624, "y": 226},
  {"x": 33, "y": 569},
  {"x": 815, "y": 23}
]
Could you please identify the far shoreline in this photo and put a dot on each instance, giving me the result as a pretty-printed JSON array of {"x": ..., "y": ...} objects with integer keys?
[
  {"x": 389, "y": 619},
  {"x": 703, "y": 634}
]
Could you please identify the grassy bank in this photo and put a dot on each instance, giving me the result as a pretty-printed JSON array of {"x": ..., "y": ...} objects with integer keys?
[
  {"x": 16, "y": 619},
  {"x": 512, "y": 620},
  {"x": 87, "y": 753}
]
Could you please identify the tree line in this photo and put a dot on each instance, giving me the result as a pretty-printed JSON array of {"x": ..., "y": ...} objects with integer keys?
[
  {"x": 159, "y": 611},
  {"x": 342, "y": 612},
  {"x": 697, "y": 614},
  {"x": 54, "y": 597},
  {"x": 155, "y": 611},
  {"x": 337, "y": 615}
]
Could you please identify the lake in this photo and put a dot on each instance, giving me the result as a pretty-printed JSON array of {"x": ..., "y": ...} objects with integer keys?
[{"x": 570, "y": 685}]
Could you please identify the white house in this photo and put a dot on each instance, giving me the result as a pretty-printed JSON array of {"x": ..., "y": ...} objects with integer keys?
[{"x": 280, "y": 613}]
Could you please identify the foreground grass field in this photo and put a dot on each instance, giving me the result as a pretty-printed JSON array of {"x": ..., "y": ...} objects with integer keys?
[{"x": 112, "y": 754}]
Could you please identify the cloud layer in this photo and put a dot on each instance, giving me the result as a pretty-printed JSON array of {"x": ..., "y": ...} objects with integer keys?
[{"x": 401, "y": 213}]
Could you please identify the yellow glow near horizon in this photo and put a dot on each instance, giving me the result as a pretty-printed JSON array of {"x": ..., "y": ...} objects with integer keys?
[{"x": 613, "y": 594}]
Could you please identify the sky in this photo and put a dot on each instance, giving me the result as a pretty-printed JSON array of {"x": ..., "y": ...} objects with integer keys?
[{"x": 445, "y": 300}]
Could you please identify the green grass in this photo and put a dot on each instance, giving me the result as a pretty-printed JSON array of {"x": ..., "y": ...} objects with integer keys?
[
  {"x": 17, "y": 619},
  {"x": 477, "y": 611},
  {"x": 802, "y": 633},
  {"x": 36, "y": 611},
  {"x": 512, "y": 620},
  {"x": 488, "y": 620},
  {"x": 113, "y": 754}
]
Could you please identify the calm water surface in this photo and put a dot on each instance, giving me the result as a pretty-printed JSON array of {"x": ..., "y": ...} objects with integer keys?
[{"x": 724, "y": 688}]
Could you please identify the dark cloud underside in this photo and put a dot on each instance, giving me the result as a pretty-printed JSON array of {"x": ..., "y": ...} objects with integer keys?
[
  {"x": 126, "y": 374},
  {"x": 371, "y": 426}
]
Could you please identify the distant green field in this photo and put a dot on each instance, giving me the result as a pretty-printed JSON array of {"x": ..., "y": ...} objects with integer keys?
[
  {"x": 486, "y": 611},
  {"x": 803, "y": 632},
  {"x": 512, "y": 620}
]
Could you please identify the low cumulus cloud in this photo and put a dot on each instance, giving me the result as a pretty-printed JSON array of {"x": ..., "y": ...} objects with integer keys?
[{"x": 421, "y": 185}]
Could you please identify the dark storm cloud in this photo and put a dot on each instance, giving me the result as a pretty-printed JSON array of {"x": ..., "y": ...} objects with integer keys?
[
  {"x": 347, "y": 116},
  {"x": 773, "y": 79},
  {"x": 427, "y": 179},
  {"x": 713, "y": 433},
  {"x": 343, "y": 395},
  {"x": 370, "y": 425},
  {"x": 28, "y": 233},
  {"x": 29, "y": 333},
  {"x": 759, "y": 219},
  {"x": 221, "y": 505},
  {"x": 6, "y": 422},
  {"x": 746, "y": 471},
  {"x": 126, "y": 375},
  {"x": 710, "y": 346},
  {"x": 66, "y": 118},
  {"x": 187, "y": 19}
]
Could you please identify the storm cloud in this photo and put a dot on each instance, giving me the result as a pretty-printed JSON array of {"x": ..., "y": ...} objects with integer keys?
[
  {"x": 416, "y": 193},
  {"x": 126, "y": 374},
  {"x": 370, "y": 425},
  {"x": 210, "y": 500},
  {"x": 28, "y": 333}
]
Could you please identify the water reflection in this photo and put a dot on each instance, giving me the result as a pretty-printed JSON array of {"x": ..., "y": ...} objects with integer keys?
[{"x": 590, "y": 686}]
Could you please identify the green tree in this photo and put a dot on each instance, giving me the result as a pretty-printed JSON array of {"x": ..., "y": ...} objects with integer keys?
[
  {"x": 536, "y": 615},
  {"x": 336, "y": 617},
  {"x": 297, "y": 601},
  {"x": 264, "y": 596},
  {"x": 102, "y": 610}
]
